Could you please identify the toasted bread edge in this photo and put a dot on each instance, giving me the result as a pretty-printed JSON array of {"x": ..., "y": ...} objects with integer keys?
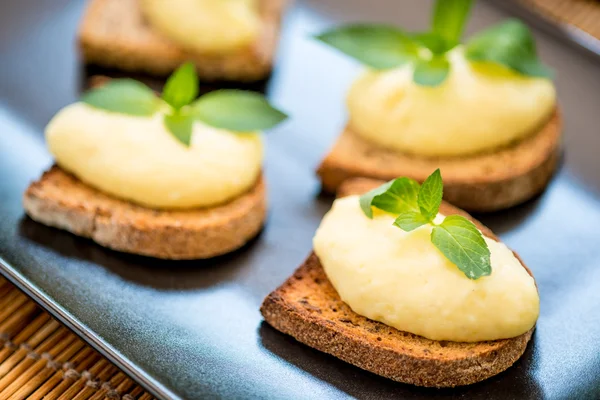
[
  {"x": 60, "y": 200},
  {"x": 479, "y": 191},
  {"x": 132, "y": 45}
]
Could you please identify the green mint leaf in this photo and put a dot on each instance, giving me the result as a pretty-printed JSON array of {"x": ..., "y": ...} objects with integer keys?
[
  {"x": 236, "y": 110},
  {"x": 377, "y": 46},
  {"x": 463, "y": 244},
  {"x": 511, "y": 44},
  {"x": 410, "y": 220},
  {"x": 434, "y": 42},
  {"x": 125, "y": 96},
  {"x": 181, "y": 126},
  {"x": 449, "y": 18},
  {"x": 181, "y": 87},
  {"x": 431, "y": 72},
  {"x": 400, "y": 196},
  {"x": 430, "y": 196},
  {"x": 366, "y": 199}
]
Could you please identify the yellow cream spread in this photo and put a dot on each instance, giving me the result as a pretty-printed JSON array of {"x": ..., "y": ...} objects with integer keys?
[
  {"x": 205, "y": 26},
  {"x": 138, "y": 159},
  {"x": 480, "y": 107},
  {"x": 401, "y": 279}
]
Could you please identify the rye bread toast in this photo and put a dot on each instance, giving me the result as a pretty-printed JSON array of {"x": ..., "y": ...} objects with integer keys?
[
  {"x": 308, "y": 308},
  {"x": 114, "y": 34},
  {"x": 484, "y": 182},
  {"x": 60, "y": 200}
]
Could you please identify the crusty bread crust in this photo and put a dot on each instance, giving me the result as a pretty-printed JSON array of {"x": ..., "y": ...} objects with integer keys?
[
  {"x": 60, "y": 200},
  {"x": 483, "y": 182},
  {"x": 308, "y": 308},
  {"x": 113, "y": 33}
]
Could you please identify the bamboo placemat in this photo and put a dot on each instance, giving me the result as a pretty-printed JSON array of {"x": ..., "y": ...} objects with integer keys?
[
  {"x": 584, "y": 14},
  {"x": 41, "y": 359}
]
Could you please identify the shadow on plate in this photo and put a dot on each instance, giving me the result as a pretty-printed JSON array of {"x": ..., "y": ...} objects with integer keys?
[
  {"x": 145, "y": 271},
  {"x": 504, "y": 221},
  {"x": 87, "y": 72},
  {"x": 517, "y": 382}
]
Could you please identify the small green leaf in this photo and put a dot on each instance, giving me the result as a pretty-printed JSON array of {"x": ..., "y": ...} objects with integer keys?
[
  {"x": 125, "y": 96},
  {"x": 181, "y": 126},
  {"x": 181, "y": 87},
  {"x": 377, "y": 46},
  {"x": 511, "y": 44},
  {"x": 431, "y": 72},
  {"x": 434, "y": 42},
  {"x": 430, "y": 196},
  {"x": 400, "y": 196},
  {"x": 449, "y": 18},
  {"x": 236, "y": 110},
  {"x": 463, "y": 244},
  {"x": 366, "y": 199},
  {"x": 410, "y": 220}
]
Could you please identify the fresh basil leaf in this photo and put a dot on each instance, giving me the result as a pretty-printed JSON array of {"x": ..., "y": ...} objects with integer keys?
[
  {"x": 181, "y": 126},
  {"x": 463, "y": 244},
  {"x": 377, "y": 46},
  {"x": 511, "y": 44},
  {"x": 366, "y": 199},
  {"x": 181, "y": 87},
  {"x": 434, "y": 42},
  {"x": 401, "y": 196},
  {"x": 236, "y": 110},
  {"x": 125, "y": 96},
  {"x": 431, "y": 72},
  {"x": 449, "y": 18},
  {"x": 410, "y": 220},
  {"x": 430, "y": 196}
]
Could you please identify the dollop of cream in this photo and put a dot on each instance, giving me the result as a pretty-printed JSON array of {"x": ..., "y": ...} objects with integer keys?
[
  {"x": 205, "y": 26},
  {"x": 401, "y": 279},
  {"x": 139, "y": 160},
  {"x": 480, "y": 107}
]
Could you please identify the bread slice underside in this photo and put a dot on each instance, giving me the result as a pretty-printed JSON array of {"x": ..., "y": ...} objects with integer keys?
[
  {"x": 308, "y": 308},
  {"x": 60, "y": 200},
  {"x": 483, "y": 182},
  {"x": 114, "y": 33}
]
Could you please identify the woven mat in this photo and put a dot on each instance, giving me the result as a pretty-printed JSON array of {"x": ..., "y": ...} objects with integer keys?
[
  {"x": 41, "y": 359},
  {"x": 584, "y": 14}
]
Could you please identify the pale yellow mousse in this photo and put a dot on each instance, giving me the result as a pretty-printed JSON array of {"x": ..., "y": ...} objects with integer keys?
[
  {"x": 401, "y": 279},
  {"x": 205, "y": 26},
  {"x": 138, "y": 159},
  {"x": 479, "y": 108}
]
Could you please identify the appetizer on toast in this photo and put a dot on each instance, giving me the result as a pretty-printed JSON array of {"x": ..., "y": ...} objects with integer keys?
[
  {"x": 173, "y": 177},
  {"x": 406, "y": 286},
  {"x": 484, "y": 111}
]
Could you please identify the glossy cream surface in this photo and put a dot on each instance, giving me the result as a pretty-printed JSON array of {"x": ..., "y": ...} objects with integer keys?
[
  {"x": 139, "y": 160},
  {"x": 205, "y": 26},
  {"x": 480, "y": 107}
]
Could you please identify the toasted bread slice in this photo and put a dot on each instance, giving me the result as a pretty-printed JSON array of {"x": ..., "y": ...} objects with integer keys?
[
  {"x": 483, "y": 182},
  {"x": 113, "y": 33},
  {"x": 308, "y": 308},
  {"x": 60, "y": 200}
]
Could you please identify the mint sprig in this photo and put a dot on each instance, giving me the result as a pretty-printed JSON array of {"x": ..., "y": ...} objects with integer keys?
[
  {"x": 509, "y": 43},
  {"x": 235, "y": 110},
  {"x": 378, "y": 46},
  {"x": 125, "y": 96},
  {"x": 449, "y": 19},
  {"x": 251, "y": 110},
  {"x": 181, "y": 87},
  {"x": 395, "y": 197},
  {"x": 457, "y": 238},
  {"x": 382, "y": 47}
]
